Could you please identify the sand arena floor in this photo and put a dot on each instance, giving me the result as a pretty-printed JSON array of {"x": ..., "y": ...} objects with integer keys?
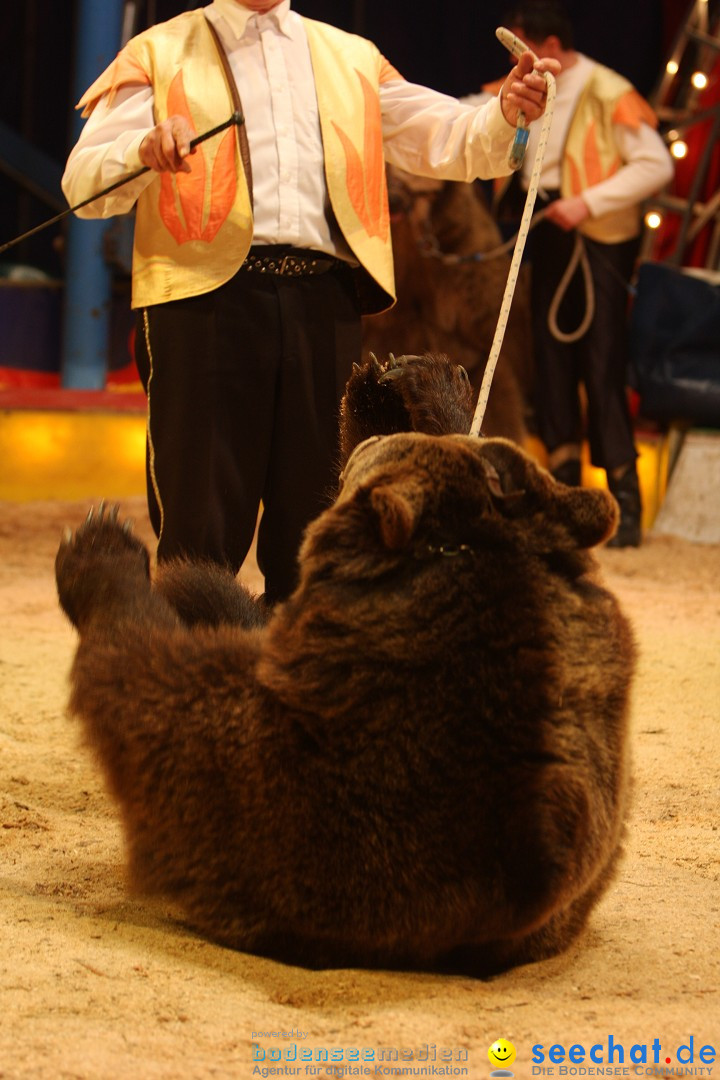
[{"x": 96, "y": 984}]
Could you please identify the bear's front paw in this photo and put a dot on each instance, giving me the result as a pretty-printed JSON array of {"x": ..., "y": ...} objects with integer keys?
[
  {"x": 98, "y": 564},
  {"x": 436, "y": 394},
  {"x": 369, "y": 406}
]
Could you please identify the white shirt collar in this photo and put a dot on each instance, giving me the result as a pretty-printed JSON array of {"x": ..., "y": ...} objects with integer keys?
[{"x": 237, "y": 16}]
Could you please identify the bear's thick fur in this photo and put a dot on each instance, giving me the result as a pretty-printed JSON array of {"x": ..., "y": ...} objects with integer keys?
[{"x": 419, "y": 759}]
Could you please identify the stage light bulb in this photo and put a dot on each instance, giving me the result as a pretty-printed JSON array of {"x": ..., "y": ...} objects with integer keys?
[
  {"x": 699, "y": 80},
  {"x": 679, "y": 149},
  {"x": 653, "y": 219},
  {"x": 672, "y": 67}
]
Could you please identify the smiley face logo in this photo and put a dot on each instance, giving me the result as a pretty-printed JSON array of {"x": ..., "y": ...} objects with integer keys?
[{"x": 501, "y": 1053}]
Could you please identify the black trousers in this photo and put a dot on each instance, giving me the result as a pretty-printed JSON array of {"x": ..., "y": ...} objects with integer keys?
[
  {"x": 598, "y": 360},
  {"x": 243, "y": 387}
]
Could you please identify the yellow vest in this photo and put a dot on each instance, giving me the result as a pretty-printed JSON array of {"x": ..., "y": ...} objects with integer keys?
[
  {"x": 193, "y": 230},
  {"x": 591, "y": 154}
]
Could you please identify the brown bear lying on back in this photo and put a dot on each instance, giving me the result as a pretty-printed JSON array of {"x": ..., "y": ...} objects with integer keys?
[{"x": 418, "y": 760}]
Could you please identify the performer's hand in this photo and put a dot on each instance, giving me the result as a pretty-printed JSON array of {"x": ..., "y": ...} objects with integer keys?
[
  {"x": 525, "y": 89},
  {"x": 567, "y": 213},
  {"x": 166, "y": 147}
]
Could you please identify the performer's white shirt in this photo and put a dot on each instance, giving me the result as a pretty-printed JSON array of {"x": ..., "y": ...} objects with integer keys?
[
  {"x": 647, "y": 166},
  {"x": 424, "y": 132}
]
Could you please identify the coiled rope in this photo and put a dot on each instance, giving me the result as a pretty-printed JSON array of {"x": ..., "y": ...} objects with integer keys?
[{"x": 578, "y": 257}]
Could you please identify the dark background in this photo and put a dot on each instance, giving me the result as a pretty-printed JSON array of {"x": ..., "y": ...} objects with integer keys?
[{"x": 449, "y": 46}]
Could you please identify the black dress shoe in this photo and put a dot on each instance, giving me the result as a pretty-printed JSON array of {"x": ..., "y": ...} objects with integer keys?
[{"x": 627, "y": 492}]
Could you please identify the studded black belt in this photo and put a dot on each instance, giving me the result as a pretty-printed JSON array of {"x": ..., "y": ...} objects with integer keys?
[{"x": 291, "y": 262}]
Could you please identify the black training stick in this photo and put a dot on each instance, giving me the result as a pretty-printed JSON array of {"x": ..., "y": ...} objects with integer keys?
[{"x": 236, "y": 118}]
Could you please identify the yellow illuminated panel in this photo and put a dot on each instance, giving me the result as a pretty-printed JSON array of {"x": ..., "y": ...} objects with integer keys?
[{"x": 71, "y": 455}]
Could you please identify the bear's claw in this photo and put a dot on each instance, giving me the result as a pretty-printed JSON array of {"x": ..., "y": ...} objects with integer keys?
[{"x": 100, "y": 531}]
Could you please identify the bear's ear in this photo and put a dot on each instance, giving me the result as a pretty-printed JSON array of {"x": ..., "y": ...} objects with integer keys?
[
  {"x": 556, "y": 516},
  {"x": 397, "y": 509},
  {"x": 510, "y": 498},
  {"x": 589, "y": 515}
]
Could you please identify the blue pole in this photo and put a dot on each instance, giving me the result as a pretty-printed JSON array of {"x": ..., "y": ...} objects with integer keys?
[{"x": 88, "y": 279}]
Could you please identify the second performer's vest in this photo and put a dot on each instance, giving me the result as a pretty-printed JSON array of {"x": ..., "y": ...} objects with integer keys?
[
  {"x": 193, "y": 230},
  {"x": 591, "y": 153}
]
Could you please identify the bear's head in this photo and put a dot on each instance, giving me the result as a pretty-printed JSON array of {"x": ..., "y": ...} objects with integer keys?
[{"x": 409, "y": 493}]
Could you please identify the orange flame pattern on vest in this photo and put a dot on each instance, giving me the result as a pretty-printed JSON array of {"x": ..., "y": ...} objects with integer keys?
[
  {"x": 592, "y": 164},
  {"x": 367, "y": 186},
  {"x": 183, "y": 196}
]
